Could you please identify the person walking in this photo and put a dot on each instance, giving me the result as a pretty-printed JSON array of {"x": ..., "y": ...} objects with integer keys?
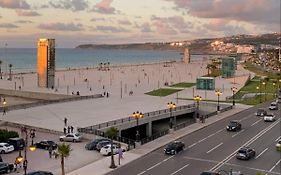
[
  {"x": 64, "y": 130},
  {"x": 65, "y": 121},
  {"x": 68, "y": 129},
  {"x": 50, "y": 151},
  {"x": 71, "y": 129}
]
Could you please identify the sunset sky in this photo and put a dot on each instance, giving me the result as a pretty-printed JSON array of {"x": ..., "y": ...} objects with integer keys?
[{"x": 74, "y": 22}]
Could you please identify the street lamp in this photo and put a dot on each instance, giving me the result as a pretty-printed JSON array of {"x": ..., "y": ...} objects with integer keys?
[
  {"x": 234, "y": 89},
  {"x": 137, "y": 115},
  {"x": 4, "y": 106},
  {"x": 218, "y": 93},
  {"x": 32, "y": 148},
  {"x": 258, "y": 88},
  {"x": 197, "y": 98},
  {"x": 263, "y": 83},
  {"x": 172, "y": 106}
]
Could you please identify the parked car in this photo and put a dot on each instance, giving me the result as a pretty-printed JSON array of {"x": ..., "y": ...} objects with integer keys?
[
  {"x": 174, "y": 147},
  {"x": 92, "y": 145},
  {"x": 261, "y": 112},
  {"x": 233, "y": 126},
  {"x": 6, "y": 167},
  {"x": 273, "y": 106},
  {"x": 6, "y": 148},
  {"x": 106, "y": 150},
  {"x": 210, "y": 173},
  {"x": 71, "y": 137},
  {"x": 245, "y": 153},
  {"x": 278, "y": 145},
  {"x": 45, "y": 144},
  {"x": 18, "y": 143},
  {"x": 40, "y": 173},
  {"x": 269, "y": 118},
  {"x": 102, "y": 144}
]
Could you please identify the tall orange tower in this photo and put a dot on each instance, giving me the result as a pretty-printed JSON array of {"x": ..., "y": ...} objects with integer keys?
[{"x": 46, "y": 63}]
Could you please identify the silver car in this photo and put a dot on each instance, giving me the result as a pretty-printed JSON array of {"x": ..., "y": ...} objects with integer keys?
[{"x": 71, "y": 137}]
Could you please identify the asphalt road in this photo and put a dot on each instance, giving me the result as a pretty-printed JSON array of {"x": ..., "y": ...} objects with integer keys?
[{"x": 214, "y": 148}]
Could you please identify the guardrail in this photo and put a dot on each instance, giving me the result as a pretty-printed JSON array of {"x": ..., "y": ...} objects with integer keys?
[
  {"x": 154, "y": 136},
  {"x": 182, "y": 125},
  {"x": 129, "y": 119}
]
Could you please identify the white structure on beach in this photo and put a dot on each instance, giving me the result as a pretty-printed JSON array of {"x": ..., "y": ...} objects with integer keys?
[
  {"x": 186, "y": 56},
  {"x": 46, "y": 63}
]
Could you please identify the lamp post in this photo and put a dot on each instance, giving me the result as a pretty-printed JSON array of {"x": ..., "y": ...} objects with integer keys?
[
  {"x": 258, "y": 88},
  {"x": 218, "y": 93},
  {"x": 197, "y": 98},
  {"x": 263, "y": 83},
  {"x": 137, "y": 115},
  {"x": 172, "y": 106},
  {"x": 31, "y": 148},
  {"x": 233, "y": 89},
  {"x": 4, "y": 106}
]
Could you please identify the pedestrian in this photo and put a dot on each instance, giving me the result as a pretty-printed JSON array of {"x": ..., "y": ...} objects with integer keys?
[
  {"x": 50, "y": 151},
  {"x": 65, "y": 121},
  {"x": 64, "y": 130},
  {"x": 71, "y": 128},
  {"x": 104, "y": 93},
  {"x": 68, "y": 129},
  {"x": 107, "y": 94},
  {"x": 4, "y": 111},
  {"x": 15, "y": 166},
  {"x": 203, "y": 119},
  {"x": 103, "y": 87}
]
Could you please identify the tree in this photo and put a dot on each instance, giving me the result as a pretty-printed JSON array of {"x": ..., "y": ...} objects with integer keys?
[
  {"x": 0, "y": 70},
  {"x": 208, "y": 67},
  {"x": 10, "y": 71},
  {"x": 111, "y": 133},
  {"x": 63, "y": 152}
]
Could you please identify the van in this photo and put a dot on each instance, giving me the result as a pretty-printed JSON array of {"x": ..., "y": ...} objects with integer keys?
[{"x": 18, "y": 143}]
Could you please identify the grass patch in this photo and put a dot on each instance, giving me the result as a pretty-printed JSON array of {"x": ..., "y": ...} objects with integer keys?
[
  {"x": 261, "y": 72},
  {"x": 162, "y": 92},
  {"x": 257, "y": 99},
  {"x": 183, "y": 85}
]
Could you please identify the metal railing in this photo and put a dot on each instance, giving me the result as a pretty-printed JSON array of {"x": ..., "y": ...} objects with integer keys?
[
  {"x": 183, "y": 125},
  {"x": 154, "y": 136}
]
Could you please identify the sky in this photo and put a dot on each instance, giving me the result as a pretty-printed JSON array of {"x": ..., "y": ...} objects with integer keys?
[{"x": 75, "y": 22}]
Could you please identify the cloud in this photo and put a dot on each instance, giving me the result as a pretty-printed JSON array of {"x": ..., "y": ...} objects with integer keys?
[
  {"x": 24, "y": 22},
  {"x": 124, "y": 22},
  {"x": 145, "y": 28},
  {"x": 104, "y": 7},
  {"x": 8, "y": 25},
  {"x": 253, "y": 11},
  {"x": 61, "y": 26},
  {"x": 74, "y": 5},
  {"x": 171, "y": 25},
  {"x": 110, "y": 29},
  {"x": 14, "y": 4},
  {"x": 27, "y": 13}
]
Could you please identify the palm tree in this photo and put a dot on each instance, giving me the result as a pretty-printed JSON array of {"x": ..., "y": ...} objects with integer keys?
[
  {"x": 10, "y": 72},
  {"x": 63, "y": 152},
  {"x": 0, "y": 70},
  {"x": 111, "y": 133}
]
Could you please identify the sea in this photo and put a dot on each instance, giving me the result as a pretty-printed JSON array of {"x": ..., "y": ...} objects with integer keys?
[{"x": 25, "y": 59}]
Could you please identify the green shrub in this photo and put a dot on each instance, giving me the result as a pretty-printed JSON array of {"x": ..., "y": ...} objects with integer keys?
[{"x": 5, "y": 135}]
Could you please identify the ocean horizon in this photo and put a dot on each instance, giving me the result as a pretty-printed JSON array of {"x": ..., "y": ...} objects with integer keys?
[{"x": 25, "y": 59}]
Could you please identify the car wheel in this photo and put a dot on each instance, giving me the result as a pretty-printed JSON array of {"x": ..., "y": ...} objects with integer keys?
[
  {"x": 2, "y": 152},
  {"x": 61, "y": 140},
  {"x": 8, "y": 171},
  {"x": 108, "y": 153},
  {"x": 74, "y": 140},
  {"x": 175, "y": 152}
]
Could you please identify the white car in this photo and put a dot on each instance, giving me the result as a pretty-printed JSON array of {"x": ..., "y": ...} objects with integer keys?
[
  {"x": 278, "y": 145},
  {"x": 71, "y": 137},
  {"x": 273, "y": 106},
  {"x": 269, "y": 118},
  {"x": 106, "y": 150},
  {"x": 6, "y": 148}
]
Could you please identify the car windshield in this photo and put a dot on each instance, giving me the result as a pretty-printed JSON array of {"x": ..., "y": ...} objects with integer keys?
[
  {"x": 233, "y": 123},
  {"x": 106, "y": 147},
  {"x": 242, "y": 151},
  {"x": 77, "y": 135},
  {"x": 6, "y": 145},
  {"x": 260, "y": 110}
]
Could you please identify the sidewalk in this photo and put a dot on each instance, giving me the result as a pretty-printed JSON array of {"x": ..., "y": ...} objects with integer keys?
[{"x": 101, "y": 166}]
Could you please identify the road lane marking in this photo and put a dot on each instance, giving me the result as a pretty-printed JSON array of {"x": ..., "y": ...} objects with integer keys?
[
  {"x": 261, "y": 153},
  {"x": 180, "y": 169},
  {"x": 141, "y": 173},
  {"x": 277, "y": 138},
  {"x": 275, "y": 165},
  {"x": 256, "y": 122},
  {"x": 221, "y": 163},
  {"x": 214, "y": 148},
  {"x": 154, "y": 166},
  {"x": 201, "y": 140},
  {"x": 238, "y": 133},
  {"x": 190, "y": 146},
  {"x": 167, "y": 159}
]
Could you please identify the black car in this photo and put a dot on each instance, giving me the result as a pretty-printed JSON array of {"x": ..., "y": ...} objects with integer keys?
[
  {"x": 92, "y": 145},
  {"x": 40, "y": 173},
  {"x": 45, "y": 144},
  {"x": 5, "y": 167},
  {"x": 233, "y": 126},
  {"x": 210, "y": 173},
  {"x": 245, "y": 153},
  {"x": 261, "y": 112},
  {"x": 174, "y": 147}
]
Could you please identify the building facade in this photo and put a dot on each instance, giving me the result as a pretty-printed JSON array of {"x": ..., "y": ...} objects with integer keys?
[
  {"x": 228, "y": 67},
  {"x": 46, "y": 63},
  {"x": 205, "y": 83}
]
